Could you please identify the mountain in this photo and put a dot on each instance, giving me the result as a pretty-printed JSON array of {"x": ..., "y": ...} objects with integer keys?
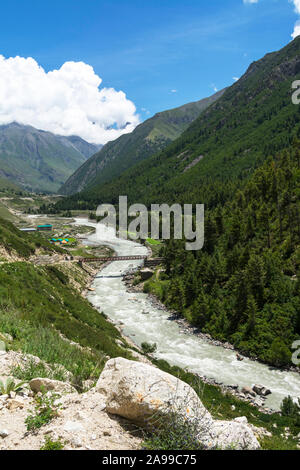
[
  {"x": 37, "y": 160},
  {"x": 147, "y": 139},
  {"x": 253, "y": 119},
  {"x": 241, "y": 158},
  {"x": 7, "y": 186}
]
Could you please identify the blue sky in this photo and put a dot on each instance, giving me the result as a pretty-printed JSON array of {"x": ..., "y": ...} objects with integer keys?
[{"x": 161, "y": 53}]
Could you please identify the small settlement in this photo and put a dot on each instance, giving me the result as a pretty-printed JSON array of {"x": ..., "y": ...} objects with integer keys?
[{"x": 49, "y": 228}]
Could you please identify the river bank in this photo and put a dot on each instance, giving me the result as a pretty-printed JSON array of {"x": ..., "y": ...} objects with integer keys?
[
  {"x": 187, "y": 328},
  {"x": 142, "y": 321}
]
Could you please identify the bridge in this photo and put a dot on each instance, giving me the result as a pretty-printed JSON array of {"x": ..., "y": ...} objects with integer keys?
[{"x": 147, "y": 261}]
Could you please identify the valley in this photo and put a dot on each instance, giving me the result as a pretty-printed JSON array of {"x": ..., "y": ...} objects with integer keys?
[
  {"x": 133, "y": 320},
  {"x": 195, "y": 351}
]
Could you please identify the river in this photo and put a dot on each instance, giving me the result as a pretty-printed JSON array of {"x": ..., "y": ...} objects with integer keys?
[{"x": 144, "y": 322}]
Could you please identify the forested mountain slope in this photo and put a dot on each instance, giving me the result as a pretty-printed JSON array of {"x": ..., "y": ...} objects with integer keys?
[
  {"x": 148, "y": 138},
  {"x": 244, "y": 286},
  {"x": 37, "y": 160},
  {"x": 253, "y": 119}
]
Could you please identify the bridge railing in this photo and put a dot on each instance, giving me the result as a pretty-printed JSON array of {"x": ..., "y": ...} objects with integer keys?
[{"x": 112, "y": 258}]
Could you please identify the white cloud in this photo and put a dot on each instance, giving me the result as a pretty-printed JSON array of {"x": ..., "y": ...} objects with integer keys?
[
  {"x": 250, "y": 1},
  {"x": 66, "y": 101},
  {"x": 297, "y": 6},
  {"x": 173, "y": 91},
  {"x": 296, "y": 31},
  {"x": 235, "y": 78}
]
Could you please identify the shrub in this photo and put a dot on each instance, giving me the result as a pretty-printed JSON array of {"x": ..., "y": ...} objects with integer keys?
[
  {"x": 45, "y": 410},
  {"x": 289, "y": 407},
  {"x": 174, "y": 432},
  {"x": 148, "y": 348},
  {"x": 9, "y": 386},
  {"x": 52, "y": 445}
]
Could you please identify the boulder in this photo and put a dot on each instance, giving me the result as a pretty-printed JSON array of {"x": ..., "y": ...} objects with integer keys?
[
  {"x": 39, "y": 384},
  {"x": 142, "y": 393},
  {"x": 265, "y": 392},
  {"x": 248, "y": 391},
  {"x": 261, "y": 390},
  {"x": 146, "y": 274},
  {"x": 233, "y": 435}
]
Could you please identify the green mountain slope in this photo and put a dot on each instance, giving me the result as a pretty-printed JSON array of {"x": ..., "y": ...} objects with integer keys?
[
  {"x": 244, "y": 286},
  {"x": 148, "y": 138},
  {"x": 253, "y": 119},
  {"x": 241, "y": 158},
  {"x": 7, "y": 186},
  {"x": 38, "y": 160}
]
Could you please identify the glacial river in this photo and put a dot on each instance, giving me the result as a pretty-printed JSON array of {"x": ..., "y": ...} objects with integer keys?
[{"x": 144, "y": 322}]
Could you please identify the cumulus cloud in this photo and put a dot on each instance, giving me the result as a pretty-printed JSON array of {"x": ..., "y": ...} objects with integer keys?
[
  {"x": 250, "y": 1},
  {"x": 297, "y": 6},
  {"x": 68, "y": 101},
  {"x": 235, "y": 78},
  {"x": 296, "y": 31}
]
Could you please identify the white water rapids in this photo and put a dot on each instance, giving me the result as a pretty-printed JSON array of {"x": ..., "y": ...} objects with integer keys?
[{"x": 144, "y": 322}]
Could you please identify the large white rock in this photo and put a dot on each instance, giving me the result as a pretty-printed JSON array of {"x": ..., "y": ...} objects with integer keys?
[
  {"x": 141, "y": 392},
  {"x": 38, "y": 384}
]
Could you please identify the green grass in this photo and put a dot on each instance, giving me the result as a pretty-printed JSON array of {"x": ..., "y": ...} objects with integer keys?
[
  {"x": 52, "y": 445},
  {"x": 151, "y": 241},
  {"x": 38, "y": 303},
  {"x": 6, "y": 214}
]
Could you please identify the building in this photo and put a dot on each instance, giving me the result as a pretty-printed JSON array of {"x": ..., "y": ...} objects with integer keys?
[
  {"x": 28, "y": 229},
  {"x": 43, "y": 228}
]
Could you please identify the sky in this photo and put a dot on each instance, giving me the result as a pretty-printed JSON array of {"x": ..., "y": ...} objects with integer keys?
[{"x": 96, "y": 68}]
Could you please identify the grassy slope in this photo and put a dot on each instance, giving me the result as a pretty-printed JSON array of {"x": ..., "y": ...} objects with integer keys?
[
  {"x": 38, "y": 303},
  {"x": 148, "y": 138}
]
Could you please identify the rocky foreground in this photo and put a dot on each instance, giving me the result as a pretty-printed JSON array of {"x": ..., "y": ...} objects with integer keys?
[{"x": 127, "y": 400}]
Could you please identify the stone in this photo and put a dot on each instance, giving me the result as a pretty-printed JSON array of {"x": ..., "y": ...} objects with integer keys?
[
  {"x": 73, "y": 426},
  {"x": 76, "y": 442},
  {"x": 248, "y": 391},
  {"x": 38, "y": 384},
  {"x": 261, "y": 390},
  {"x": 231, "y": 435},
  {"x": 141, "y": 393},
  {"x": 241, "y": 419},
  {"x": 4, "y": 433},
  {"x": 14, "y": 404},
  {"x": 138, "y": 391},
  {"x": 146, "y": 274}
]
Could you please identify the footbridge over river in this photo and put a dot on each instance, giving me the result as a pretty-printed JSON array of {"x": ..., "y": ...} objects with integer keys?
[{"x": 148, "y": 262}]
